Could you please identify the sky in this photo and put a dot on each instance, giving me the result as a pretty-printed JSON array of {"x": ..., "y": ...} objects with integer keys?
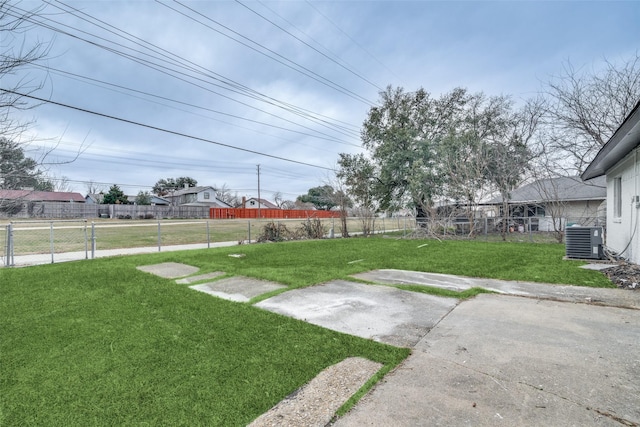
[{"x": 136, "y": 91}]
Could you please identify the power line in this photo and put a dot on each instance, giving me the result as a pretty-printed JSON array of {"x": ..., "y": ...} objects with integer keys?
[
  {"x": 238, "y": 87},
  {"x": 184, "y": 135},
  {"x": 302, "y": 69},
  {"x": 308, "y": 45},
  {"x": 232, "y": 86},
  {"x": 95, "y": 82},
  {"x": 350, "y": 38}
]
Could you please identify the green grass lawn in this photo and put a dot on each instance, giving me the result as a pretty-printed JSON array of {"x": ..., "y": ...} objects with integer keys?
[
  {"x": 97, "y": 342},
  {"x": 299, "y": 264}
]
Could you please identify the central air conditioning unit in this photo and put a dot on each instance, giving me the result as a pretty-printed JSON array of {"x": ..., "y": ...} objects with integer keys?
[{"x": 584, "y": 242}]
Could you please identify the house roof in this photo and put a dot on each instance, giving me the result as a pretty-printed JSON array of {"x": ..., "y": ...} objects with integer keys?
[
  {"x": 191, "y": 190},
  {"x": 623, "y": 141},
  {"x": 154, "y": 199},
  {"x": 41, "y": 196},
  {"x": 212, "y": 204},
  {"x": 565, "y": 188},
  {"x": 264, "y": 202}
]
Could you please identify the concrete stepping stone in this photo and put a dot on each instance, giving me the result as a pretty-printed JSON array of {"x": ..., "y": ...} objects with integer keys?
[
  {"x": 169, "y": 270},
  {"x": 315, "y": 403},
  {"x": 381, "y": 313},
  {"x": 200, "y": 277},
  {"x": 239, "y": 289}
]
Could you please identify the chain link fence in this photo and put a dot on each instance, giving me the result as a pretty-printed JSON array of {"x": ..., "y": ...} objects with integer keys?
[
  {"x": 38, "y": 242},
  {"x": 533, "y": 229},
  {"x": 49, "y": 241}
]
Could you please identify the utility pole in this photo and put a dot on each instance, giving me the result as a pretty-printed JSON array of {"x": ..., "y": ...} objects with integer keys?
[{"x": 259, "y": 200}]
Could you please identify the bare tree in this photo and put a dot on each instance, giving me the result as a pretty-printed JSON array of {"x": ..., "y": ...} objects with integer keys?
[
  {"x": 356, "y": 173},
  {"x": 62, "y": 184},
  {"x": 585, "y": 107},
  {"x": 93, "y": 188},
  {"x": 341, "y": 200},
  {"x": 288, "y": 204},
  {"x": 224, "y": 194},
  {"x": 18, "y": 53}
]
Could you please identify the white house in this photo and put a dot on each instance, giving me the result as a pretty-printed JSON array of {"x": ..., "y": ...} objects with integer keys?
[
  {"x": 619, "y": 161},
  {"x": 563, "y": 199},
  {"x": 255, "y": 203},
  {"x": 196, "y": 196}
]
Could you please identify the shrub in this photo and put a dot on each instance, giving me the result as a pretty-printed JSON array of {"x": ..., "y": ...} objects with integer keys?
[
  {"x": 274, "y": 232},
  {"x": 312, "y": 229}
]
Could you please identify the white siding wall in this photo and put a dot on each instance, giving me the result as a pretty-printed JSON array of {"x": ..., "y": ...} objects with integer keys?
[
  {"x": 622, "y": 233},
  {"x": 211, "y": 199},
  {"x": 253, "y": 204},
  {"x": 582, "y": 212}
]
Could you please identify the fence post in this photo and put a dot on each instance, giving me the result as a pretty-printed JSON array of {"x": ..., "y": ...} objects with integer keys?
[
  {"x": 159, "y": 237},
  {"x": 9, "y": 261},
  {"x": 51, "y": 240},
  {"x": 208, "y": 236},
  {"x": 249, "y": 230},
  {"x": 93, "y": 240},
  {"x": 530, "y": 233},
  {"x": 486, "y": 228},
  {"x": 86, "y": 241}
]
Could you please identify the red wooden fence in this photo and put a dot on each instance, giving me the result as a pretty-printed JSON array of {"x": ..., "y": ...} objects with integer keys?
[{"x": 239, "y": 213}]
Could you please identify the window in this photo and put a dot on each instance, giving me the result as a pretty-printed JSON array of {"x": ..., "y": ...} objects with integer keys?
[
  {"x": 206, "y": 194},
  {"x": 617, "y": 197}
]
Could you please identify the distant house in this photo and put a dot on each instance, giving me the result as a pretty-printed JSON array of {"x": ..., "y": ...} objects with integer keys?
[
  {"x": 155, "y": 200},
  {"x": 196, "y": 196},
  {"x": 619, "y": 161},
  {"x": 565, "y": 200},
  {"x": 255, "y": 203},
  {"x": 40, "y": 196},
  {"x": 29, "y": 203},
  {"x": 94, "y": 198}
]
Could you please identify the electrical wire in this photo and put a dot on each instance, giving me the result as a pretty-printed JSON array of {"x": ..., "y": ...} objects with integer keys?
[
  {"x": 311, "y": 47},
  {"x": 159, "y": 129},
  {"x": 192, "y": 65},
  {"x": 97, "y": 82},
  {"x": 283, "y": 60},
  {"x": 172, "y": 73}
]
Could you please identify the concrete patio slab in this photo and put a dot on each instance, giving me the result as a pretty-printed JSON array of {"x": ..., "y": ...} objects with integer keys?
[
  {"x": 239, "y": 289},
  {"x": 169, "y": 270},
  {"x": 380, "y": 313},
  {"x": 568, "y": 293},
  {"x": 503, "y": 361}
]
